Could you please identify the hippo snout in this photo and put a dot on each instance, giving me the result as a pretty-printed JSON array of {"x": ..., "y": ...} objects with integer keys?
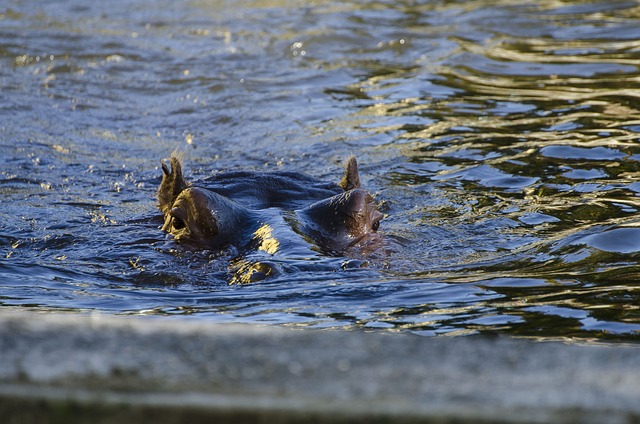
[{"x": 190, "y": 217}]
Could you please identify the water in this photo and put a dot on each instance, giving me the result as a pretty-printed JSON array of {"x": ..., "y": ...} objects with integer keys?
[{"x": 501, "y": 139}]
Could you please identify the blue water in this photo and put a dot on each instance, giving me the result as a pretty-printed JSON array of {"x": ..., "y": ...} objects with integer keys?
[{"x": 501, "y": 140}]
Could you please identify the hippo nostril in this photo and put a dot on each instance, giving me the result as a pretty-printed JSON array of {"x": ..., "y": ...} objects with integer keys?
[
  {"x": 178, "y": 218},
  {"x": 375, "y": 226},
  {"x": 178, "y": 224}
]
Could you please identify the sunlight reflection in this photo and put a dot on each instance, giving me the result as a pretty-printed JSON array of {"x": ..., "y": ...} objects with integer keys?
[{"x": 267, "y": 242}]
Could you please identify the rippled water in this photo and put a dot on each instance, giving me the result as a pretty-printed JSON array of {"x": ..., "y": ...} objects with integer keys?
[{"x": 501, "y": 139}]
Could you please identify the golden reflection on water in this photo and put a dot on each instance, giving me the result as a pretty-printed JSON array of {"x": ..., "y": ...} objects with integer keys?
[
  {"x": 245, "y": 271},
  {"x": 267, "y": 242}
]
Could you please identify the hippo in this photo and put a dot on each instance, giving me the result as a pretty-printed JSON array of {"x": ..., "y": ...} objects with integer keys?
[{"x": 285, "y": 213}]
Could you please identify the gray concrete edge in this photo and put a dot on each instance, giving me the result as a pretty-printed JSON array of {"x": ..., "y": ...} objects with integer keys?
[{"x": 80, "y": 368}]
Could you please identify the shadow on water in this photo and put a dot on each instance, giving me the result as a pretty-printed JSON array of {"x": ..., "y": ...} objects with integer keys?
[{"x": 501, "y": 139}]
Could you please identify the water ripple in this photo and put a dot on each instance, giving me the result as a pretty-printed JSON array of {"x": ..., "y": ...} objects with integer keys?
[{"x": 501, "y": 139}]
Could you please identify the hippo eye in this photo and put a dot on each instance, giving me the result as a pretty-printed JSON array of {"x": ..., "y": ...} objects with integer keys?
[
  {"x": 178, "y": 224},
  {"x": 375, "y": 226}
]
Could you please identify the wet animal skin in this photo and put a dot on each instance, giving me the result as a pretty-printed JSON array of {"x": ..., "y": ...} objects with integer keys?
[{"x": 278, "y": 209}]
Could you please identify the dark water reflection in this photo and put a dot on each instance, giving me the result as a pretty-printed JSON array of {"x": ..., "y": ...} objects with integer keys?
[{"x": 501, "y": 138}]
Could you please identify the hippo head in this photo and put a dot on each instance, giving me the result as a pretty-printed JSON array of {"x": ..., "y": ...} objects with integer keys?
[
  {"x": 359, "y": 213},
  {"x": 345, "y": 219},
  {"x": 206, "y": 218},
  {"x": 203, "y": 218},
  {"x": 195, "y": 215},
  {"x": 342, "y": 220}
]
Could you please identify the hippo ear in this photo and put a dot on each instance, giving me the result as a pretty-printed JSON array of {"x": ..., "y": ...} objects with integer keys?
[
  {"x": 351, "y": 179},
  {"x": 172, "y": 184}
]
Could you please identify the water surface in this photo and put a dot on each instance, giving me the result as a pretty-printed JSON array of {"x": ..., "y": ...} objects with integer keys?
[{"x": 501, "y": 139}]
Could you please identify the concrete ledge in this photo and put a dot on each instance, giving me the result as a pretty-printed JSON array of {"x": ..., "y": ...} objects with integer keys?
[{"x": 103, "y": 369}]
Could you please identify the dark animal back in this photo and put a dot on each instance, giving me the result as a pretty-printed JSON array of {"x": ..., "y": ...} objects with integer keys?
[{"x": 287, "y": 190}]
